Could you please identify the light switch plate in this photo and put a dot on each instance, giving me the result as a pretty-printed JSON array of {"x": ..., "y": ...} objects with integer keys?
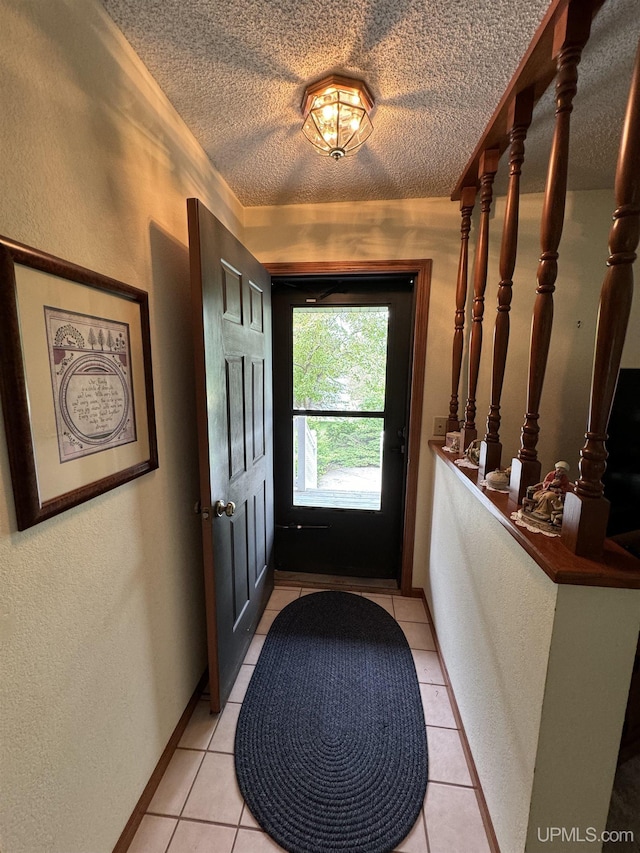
[{"x": 440, "y": 426}]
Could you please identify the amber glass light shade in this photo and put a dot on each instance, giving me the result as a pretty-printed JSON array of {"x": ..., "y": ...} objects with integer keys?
[{"x": 336, "y": 115}]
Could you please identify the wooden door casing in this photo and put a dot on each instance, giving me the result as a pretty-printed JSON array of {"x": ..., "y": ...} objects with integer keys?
[{"x": 421, "y": 268}]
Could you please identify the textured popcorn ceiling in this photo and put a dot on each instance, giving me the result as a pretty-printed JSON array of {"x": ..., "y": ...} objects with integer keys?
[
  {"x": 604, "y": 76},
  {"x": 236, "y": 73}
]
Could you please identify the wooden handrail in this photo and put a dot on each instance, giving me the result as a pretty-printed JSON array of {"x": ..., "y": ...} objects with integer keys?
[
  {"x": 571, "y": 34},
  {"x": 587, "y": 511},
  {"x": 519, "y": 119},
  {"x": 488, "y": 168},
  {"x": 618, "y": 568},
  {"x": 555, "y": 50},
  {"x": 467, "y": 201}
]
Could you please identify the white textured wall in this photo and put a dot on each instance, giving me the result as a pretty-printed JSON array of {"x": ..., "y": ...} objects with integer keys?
[
  {"x": 592, "y": 653},
  {"x": 101, "y": 615},
  {"x": 493, "y": 609},
  {"x": 540, "y": 672}
]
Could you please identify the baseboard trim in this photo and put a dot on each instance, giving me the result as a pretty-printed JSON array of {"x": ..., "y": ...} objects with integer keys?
[
  {"x": 418, "y": 592},
  {"x": 131, "y": 827}
]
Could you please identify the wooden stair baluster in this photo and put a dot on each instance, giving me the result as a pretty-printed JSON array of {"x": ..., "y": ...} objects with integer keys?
[
  {"x": 586, "y": 512},
  {"x": 487, "y": 172},
  {"x": 570, "y": 36},
  {"x": 518, "y": 121},
  {"x": 467, "y": 201}
]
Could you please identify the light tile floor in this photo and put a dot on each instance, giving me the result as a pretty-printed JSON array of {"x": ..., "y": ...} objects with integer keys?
[{"x": 198, "y": 808}]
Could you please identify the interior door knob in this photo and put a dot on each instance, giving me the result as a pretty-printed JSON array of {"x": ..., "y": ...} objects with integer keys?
[{"x": 222, "y": 508}]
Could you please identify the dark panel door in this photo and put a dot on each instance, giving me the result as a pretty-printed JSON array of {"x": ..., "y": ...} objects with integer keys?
[
  {"x": 231, "y": 295},
  {"x": 341, "y": 387}
]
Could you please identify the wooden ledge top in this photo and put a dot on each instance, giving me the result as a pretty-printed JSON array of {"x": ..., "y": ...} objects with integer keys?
[{"x": 618, "y": 568}]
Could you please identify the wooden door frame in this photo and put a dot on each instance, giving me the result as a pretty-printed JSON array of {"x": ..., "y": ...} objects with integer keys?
[{"x": 421, "y": 270}]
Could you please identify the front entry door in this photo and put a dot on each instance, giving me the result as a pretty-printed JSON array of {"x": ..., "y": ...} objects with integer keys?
[
  {"x": 231, "y": 295},
  {"x": 342, "y": 355}
]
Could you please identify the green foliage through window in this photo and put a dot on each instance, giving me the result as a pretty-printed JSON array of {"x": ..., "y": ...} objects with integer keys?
[
  {"x": 346, "y": 442},
  {"x": 340, "y": 357},
  {"x": 339, "y": 363}
]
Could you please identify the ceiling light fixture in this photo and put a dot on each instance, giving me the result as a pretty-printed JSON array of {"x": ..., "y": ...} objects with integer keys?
[{"x": 336, "y": 115}]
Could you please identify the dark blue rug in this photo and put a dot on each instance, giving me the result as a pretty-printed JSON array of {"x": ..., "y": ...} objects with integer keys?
[{"x": 331, "y": 750}]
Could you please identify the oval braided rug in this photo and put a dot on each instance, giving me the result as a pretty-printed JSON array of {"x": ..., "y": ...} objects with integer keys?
[{"x": 330, "y": 750}]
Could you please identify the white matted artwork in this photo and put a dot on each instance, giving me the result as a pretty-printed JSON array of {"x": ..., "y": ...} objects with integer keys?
[
  {"x": 77, "y": 388},
  {"x": 90, "y": 362}
]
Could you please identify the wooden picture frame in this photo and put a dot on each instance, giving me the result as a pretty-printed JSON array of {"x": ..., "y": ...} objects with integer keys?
[{"x": 75, "y": 382}]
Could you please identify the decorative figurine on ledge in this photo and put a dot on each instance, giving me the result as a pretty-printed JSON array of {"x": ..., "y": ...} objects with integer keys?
[
  {"x": 543, "y": 505},
  {"x": 452, "y": 442},
  {"x": 498, "y": 480},
  {"x": 472, "y": 453}
]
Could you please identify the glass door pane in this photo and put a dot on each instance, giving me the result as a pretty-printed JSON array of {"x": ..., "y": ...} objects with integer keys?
[
  {"x": 339, "y": 365},
  {"x": 337, "y": 462},
  {"x": 340, "y": 358}
]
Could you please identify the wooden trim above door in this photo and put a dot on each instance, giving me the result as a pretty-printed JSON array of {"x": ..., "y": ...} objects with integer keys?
[{"x": 421, "y": 270}]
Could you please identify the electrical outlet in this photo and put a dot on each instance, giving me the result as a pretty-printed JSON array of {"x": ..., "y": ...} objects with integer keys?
[{"x": 440, "y": 427}]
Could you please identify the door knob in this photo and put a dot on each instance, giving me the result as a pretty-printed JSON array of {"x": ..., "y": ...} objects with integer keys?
[{"x": 222, "y": 508}]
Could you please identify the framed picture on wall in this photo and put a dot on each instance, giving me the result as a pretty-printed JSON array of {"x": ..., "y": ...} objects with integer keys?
[{"x": 75, "y": 379}]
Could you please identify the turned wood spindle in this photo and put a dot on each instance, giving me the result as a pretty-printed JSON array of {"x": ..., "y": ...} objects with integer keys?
[
  {"x": 467, "y": 201},
  {"x": 487, "y": 172},
  {"x": 518, "y": 120},
  {"x": 571, "y": 34},
  {"x": 586, "y": 511}
]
